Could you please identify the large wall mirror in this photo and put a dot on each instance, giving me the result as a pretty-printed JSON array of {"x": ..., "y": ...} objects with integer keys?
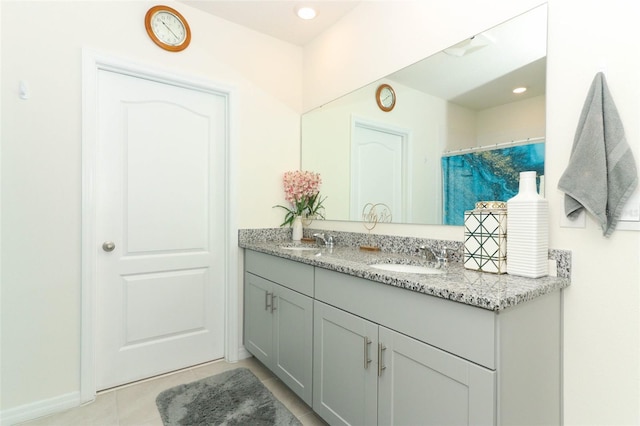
[{"x": 456, "y": 100}]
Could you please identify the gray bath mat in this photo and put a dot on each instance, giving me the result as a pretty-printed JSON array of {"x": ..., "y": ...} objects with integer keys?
[{"x": 235, "y": 397}]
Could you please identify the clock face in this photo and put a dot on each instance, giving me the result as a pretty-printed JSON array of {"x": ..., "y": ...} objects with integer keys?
[
  {"x": 167, "y": 28},
  {"x": 385, "y": 97}
]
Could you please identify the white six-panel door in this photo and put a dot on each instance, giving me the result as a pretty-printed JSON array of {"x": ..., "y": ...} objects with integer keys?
[{"x": 160, "y": 183}]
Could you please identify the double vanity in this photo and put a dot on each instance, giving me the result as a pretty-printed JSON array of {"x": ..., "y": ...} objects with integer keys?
[{"x": 413, "y": 344}]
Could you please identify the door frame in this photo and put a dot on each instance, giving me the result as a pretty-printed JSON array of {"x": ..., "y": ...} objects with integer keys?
[{"x": 92, "y": 63}]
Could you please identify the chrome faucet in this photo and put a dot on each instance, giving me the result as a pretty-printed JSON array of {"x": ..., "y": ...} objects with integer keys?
[
  {"x": 441, "y": 256},
  {"x": 328, "y": 241}
]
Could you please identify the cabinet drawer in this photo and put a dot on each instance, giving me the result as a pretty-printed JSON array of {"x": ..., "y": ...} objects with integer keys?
[
  {"x": 464, "y": 330},
  {"x": 294, "y": 275}
]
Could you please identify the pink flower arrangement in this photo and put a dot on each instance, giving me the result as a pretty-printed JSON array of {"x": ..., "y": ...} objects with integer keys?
[{"x": 302, "y": 191}]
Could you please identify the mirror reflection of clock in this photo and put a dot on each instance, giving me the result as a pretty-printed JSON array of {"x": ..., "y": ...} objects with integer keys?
[{"x": 385, "y": 97}]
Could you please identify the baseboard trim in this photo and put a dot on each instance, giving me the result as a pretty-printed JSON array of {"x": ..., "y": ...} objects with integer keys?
[
  {"x": 40, "y": 408},
  {"x": 243, "y": 353}
]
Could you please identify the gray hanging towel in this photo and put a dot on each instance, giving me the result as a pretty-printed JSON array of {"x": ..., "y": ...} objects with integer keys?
[{"x": 601, "y": 174}]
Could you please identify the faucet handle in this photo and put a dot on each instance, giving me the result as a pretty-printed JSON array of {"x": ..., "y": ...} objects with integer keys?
[
  {"x": 444, "y": 252},
  {"x": 447, "y": 250}
]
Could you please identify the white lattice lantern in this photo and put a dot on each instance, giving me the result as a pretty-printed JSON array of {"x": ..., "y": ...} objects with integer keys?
[{"x": 485, "y": 237}]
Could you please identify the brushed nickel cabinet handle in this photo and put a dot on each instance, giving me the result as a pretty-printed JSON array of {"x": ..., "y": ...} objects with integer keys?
[
  {"x": 381, "y": 366},
  {"x": 367, "y": 361},
  {"x": 267, "y": 305},
  {"x": 273, "y": 302}
]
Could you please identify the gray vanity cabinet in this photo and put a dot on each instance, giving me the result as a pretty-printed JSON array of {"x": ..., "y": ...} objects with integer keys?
[
  {"x": 278, "y": 327},
  {"x": 367, "y": 353},
  {"x": 366, "y": 374}
]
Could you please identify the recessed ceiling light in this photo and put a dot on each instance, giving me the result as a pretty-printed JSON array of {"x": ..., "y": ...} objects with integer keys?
[
  {"x": 519, "y": 90},
  {"x": 306, "y": 12}
]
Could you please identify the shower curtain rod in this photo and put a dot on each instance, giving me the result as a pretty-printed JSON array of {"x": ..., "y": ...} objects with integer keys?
[{"x": 495, "y": 146}]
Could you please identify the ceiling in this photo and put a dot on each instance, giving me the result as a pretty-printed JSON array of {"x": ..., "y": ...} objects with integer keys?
[
  {"x": 278, "y": 18},
  {"x": 481, "y": 72}
]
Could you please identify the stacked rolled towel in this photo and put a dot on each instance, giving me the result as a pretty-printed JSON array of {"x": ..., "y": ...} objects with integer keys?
[{"x": 601, "y": 175}]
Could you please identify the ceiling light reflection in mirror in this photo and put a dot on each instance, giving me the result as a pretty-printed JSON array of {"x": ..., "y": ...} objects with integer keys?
[
  {"x": 457, "y": 99},
  {"x": 305, "y": 12}
]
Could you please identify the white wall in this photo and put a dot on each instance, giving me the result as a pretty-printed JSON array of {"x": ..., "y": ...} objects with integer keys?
[
  {"x": 461, "y": 130},
  {"x": 41, "y": 159},
  {"x": 511, "y": 122},
  {"x": 602, "y": 306},
  {"x": 514, "y": 121}
]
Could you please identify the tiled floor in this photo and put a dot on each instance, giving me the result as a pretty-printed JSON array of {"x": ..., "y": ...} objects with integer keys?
[{"x": 134, "y": 405}]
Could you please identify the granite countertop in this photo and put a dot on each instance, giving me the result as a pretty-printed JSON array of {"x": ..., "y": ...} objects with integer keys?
[{"x": 484, "y": 290}]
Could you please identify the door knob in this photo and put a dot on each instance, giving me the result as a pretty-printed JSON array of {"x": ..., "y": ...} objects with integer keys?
[{"x": 108, "y": 246}]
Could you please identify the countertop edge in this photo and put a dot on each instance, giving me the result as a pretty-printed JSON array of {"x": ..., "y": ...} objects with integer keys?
[{"x": 498, "y": 295}]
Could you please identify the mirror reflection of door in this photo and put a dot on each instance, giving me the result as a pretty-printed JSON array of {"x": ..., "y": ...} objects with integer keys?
[{"x": 379, "y": 169}]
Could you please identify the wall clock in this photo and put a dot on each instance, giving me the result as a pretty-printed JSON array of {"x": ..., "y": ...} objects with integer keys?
[
  {"x": 167, "y": 28},
  {"x": 385, "y": 97}
]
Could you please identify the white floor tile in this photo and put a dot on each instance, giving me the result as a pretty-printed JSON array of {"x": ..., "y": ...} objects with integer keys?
[
  {"x": 101, "y": 412},
  {"x": 135, "y": 404}
]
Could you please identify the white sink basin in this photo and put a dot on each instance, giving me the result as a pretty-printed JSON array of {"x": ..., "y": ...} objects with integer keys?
[
  {"x": 299, "y": 248},
  {"x": 413, "y": 269}
]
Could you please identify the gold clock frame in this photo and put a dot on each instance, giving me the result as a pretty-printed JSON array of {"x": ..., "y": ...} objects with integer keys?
[
  {"x": 147, "y": 24},
  {"x": 379, "y": 99}
]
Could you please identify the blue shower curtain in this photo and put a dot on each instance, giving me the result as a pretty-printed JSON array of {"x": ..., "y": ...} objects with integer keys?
[{"x": 490, "y": 175}]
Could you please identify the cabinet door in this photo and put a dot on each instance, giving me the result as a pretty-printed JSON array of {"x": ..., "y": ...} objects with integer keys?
[
  {"x": 258, "y": 335},
  {"x": 344, "y": 383},
  {"x": 293, "y": 340},
  {"x": 421, "y": 384}
]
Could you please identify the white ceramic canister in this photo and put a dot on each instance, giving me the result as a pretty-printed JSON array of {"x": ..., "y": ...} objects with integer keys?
[
  {"x": 528, "y": 230},
  {"x": 296, "y": 234}
]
